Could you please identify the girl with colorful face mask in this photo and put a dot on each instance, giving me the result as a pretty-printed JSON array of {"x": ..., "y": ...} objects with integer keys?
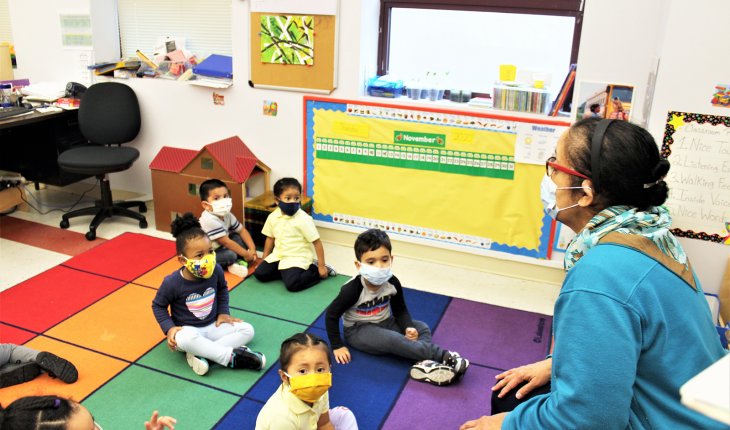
[
  {"x": 198, "y": 321},
  {"x": 302, "y": 400}
]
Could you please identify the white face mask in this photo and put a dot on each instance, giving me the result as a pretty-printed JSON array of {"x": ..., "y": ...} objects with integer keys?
[
  {"x": 221, "y": 207},
  {"x": 547, "y": 195},
  {"x": 375, "y": 275}
]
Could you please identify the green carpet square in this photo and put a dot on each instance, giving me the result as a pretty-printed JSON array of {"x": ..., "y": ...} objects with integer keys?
[
  {"x": 272, "y": 298},
  {"x": 127, "y": 401},
  {"x": 270, "y": 332}
]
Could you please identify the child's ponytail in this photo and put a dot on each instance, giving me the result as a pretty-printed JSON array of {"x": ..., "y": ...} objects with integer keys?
[{"x": 185, "y": 228}]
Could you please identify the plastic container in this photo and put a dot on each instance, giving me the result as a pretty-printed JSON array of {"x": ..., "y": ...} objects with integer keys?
[
  {"x": 5, "y": 92},
  {"x": 507, "y": 72},
  {"x": 380, "y": 86}
]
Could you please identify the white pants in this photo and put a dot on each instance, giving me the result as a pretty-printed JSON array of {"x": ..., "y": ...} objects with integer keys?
[
  {"x": 342, "y": 418},
  {"x": 214, "y": 343}
]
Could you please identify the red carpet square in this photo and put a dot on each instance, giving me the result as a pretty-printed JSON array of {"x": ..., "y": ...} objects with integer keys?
[
  {"x": 126, "y": 257},
  {"x": 46, "y": 237},
  {"x": 47, "y": 299},
  {"x": 14, "y": 335}
]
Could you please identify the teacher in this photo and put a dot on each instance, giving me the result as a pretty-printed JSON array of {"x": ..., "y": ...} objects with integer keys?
[{"x": 631, "y": 322}]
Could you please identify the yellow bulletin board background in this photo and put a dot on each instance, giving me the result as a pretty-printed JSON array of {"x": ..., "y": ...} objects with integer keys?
[
  {"x": 426, "y": 174},
  {"x": 319, "y": 77}
]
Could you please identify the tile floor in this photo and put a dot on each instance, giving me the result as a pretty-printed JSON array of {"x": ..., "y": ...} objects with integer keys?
[{"x": 19, "y": 261}]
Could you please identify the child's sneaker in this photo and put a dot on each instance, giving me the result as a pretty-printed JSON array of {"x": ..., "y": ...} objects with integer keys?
[
  {"x": 238, "y": 270},
  {"x": 433, "y": 373},
  {"x": 57, "y": 367},
  {"x": 198, "y": 364},
  {"x": 14, "y": 374},
  {"x": 245, "y": 358},
  {"x": 330, "y": 270},
  {"x": 457, "y": 362}
]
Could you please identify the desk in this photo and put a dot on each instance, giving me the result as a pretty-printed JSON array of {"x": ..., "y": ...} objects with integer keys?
[{"x": 31, "y": 143}]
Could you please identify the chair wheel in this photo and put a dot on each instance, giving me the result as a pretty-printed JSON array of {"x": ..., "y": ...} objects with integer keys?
[
  {"x": 143, "y": 209},
  {"x": 64, "y": 223},
  {"x": 143, "y": 224},
  {"x": 90, "y": 235}
]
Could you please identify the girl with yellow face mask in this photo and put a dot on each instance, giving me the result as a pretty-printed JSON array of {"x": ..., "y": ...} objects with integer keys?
[{"x": 302, "y": 401}]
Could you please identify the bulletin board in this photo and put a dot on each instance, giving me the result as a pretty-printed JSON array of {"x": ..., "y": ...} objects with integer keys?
[
  {"x": 460, "y": 180},
  {"x": 698, "y": 148},
  {"x": 319, "y": 74}
]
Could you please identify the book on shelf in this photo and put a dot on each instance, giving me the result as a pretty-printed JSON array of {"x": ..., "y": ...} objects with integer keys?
[
  {"x": 564, "y": 90},
  {"x": 110, "y": 67}
]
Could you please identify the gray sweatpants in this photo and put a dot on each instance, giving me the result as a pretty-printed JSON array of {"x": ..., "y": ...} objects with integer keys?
[
  {"x": 11, "y": 355},
  {"x": 387, "y": 338}
]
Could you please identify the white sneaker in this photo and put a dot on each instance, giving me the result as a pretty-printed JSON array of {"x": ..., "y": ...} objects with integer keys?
[
  {"x": 198, "y": 364},
  {"x": 238, "y": 270}
]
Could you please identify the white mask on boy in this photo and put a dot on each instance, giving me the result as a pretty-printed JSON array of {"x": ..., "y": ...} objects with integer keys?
[
  {"x": 376, "y": 275},
  {"x": 221, "y": 207}
]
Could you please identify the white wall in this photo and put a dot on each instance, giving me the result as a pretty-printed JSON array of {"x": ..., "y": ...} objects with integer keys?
[
  {"x": 620, "y": 43},
  {"x": 37, "y": 37}
]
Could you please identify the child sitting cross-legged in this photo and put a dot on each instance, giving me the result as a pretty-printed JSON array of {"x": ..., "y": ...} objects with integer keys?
[
  {"x": 377, "y": 321},
  {"x": 198, "y": 321}
]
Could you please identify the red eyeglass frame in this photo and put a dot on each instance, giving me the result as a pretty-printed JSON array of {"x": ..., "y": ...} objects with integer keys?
[{"x": 563, "y": 169}]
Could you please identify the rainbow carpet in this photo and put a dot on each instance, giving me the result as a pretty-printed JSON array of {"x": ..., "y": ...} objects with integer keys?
[{"x": 95, "y": 310}]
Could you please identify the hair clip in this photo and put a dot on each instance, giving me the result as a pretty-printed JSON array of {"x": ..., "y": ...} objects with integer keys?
[
  {"x": 57, "y": 403},
  {"x": 651, "y": 184}
]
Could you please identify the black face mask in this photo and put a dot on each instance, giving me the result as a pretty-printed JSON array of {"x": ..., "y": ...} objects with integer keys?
[{"x": 289, "y": 208}]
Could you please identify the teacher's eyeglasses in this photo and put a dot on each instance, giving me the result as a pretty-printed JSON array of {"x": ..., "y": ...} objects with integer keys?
[{"x": 551, "y": 166}]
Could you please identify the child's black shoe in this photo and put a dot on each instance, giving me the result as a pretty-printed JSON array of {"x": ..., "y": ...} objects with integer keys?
[
  {"x": 457, "y": 362},
  {"x": 14, "y": 374},
  {"x": 57, "y": 367},
  {"x": 245, "y": 358}
]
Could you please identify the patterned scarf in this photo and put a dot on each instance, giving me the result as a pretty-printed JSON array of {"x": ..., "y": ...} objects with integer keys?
[{"x": 653, "y": 224}]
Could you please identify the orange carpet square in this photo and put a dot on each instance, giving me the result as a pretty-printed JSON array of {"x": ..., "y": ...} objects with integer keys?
[
  {"x": 47, "y": 299},
  {"x": 94, "y": 370},
  {"x": 121, "y": 325},
  {"x": 154, "y": 277}
]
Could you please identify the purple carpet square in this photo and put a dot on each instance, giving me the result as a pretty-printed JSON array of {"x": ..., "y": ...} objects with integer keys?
[
  {"x": 425, "y": 406},
  {"x": 494, "y": 336}
]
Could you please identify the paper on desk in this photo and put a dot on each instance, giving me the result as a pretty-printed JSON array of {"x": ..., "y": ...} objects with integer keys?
[
  {"x": 49, "y": 109},
  {"x": 46, "y": 91},
  {"x": 709, "y": 392}
]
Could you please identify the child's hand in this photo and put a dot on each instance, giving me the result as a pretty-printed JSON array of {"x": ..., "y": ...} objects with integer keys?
[
  {"x": 323, "y": 271},
  {"x": 411, "y": 333},
  {"x": 251, "y": 255},
  {"x": 342, "y": 355},
  {"x": 224, "y": 318},
  {"x": 157, "y": 422},
  {"x": 171, "y": 338}
]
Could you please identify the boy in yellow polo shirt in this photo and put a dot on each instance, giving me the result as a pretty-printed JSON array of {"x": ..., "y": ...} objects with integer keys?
[{"x": 291, "y": 242}]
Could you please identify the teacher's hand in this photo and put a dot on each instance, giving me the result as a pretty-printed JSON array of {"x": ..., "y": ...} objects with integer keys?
[{"x": 536, "y": 375}]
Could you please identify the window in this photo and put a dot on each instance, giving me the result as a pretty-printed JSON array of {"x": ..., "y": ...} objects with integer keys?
[
  {"x": 193, "y": 189},
  {"x": 460, "y": 44},
  {"x": 205, "y": 25},
  {"x": 206, "y": 163}
]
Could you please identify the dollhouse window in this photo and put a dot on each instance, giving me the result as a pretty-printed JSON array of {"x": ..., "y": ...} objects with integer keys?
[
  {"x": 192, "y": 189},
  {"x": 206, "y": 163}
]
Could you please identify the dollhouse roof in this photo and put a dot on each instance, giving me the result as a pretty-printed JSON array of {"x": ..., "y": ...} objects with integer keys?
[
  {"x": 172, "y": 159},
  {"x": 231, "y": 153}
]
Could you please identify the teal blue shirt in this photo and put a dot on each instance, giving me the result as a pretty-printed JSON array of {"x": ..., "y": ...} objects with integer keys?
[{"x": 628, "y": 333}]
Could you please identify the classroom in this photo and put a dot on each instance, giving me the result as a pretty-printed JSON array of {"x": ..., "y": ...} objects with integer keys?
[{"x": 364, "y": 214}]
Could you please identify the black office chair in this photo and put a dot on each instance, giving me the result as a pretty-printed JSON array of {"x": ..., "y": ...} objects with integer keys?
[{"x": 109, "y": 115}]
